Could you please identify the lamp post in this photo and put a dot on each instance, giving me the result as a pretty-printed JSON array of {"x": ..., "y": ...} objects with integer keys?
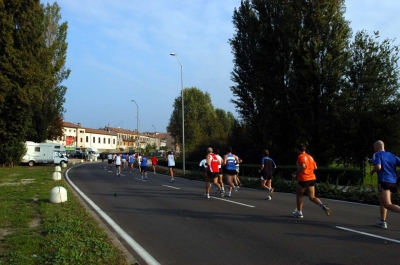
[
  {"x": 154, "y": 128},
  {"x": 183, "y": 114},
  {"x": 137, "y": 124}
]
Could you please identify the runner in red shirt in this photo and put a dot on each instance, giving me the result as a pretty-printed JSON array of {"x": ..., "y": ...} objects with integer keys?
[
  {"x": 154, "y": 161},
  {"x": 212, "y": 173}
]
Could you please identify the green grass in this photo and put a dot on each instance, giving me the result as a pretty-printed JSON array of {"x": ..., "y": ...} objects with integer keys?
[{"x": 35, "y": 231}]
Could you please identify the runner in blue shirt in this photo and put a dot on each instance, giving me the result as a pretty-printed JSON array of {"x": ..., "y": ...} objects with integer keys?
[
  {"x": 143, "y": 166},
  {"x": 385, "y": 164}
]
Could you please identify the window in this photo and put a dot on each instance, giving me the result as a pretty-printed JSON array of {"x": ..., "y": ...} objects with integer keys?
[
  {"x": 113, "y": 141},
  {"x": 81, "y": 140},
  {"x": 94, "y": 138},
  {"x": 81, "y": 131},
  {"x": 109, "y": 140},
  {"x": 99, "y": 140},
  {"x": 87, "y": 139},
  {"x": 104, "y": 140},
  {"x": 70, "y": 129},
  {"x": 37, "y": 149}
]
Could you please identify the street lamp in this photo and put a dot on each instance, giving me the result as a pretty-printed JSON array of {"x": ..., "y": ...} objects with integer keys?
[
  {"x": 154, "y": 128},
  {"x": 183, "y": 114},
  {"x": 137, "y": 123}
]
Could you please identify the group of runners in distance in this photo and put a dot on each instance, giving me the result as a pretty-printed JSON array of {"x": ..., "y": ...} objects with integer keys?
[
  {"x": 122, "y": 161},
  {"x": 214, "y": 167}
]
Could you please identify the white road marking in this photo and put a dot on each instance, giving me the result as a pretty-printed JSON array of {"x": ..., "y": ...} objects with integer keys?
[
  {"x": 171, "y": 187},
  {"x": 247, "y": 205},
  {"x": 135, "y": 246},
  {"x": 368, "y": 234}
]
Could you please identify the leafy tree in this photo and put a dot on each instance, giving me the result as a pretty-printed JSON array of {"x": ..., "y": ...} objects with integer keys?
[
  {"x": 204, "y": 125},
  {"x": 21, "y": 75},
  {"x": 288, "y": 57},
  {"x": 369, "y": 99},
  {"x": 49, "y": 111}
]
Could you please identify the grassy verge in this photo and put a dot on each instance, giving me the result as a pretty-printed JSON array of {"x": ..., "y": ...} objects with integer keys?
[{"x": 35, "y": 231}]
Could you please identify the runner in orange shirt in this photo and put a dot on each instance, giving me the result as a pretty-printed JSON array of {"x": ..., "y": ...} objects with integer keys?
[{"x": 306, "y": 181}]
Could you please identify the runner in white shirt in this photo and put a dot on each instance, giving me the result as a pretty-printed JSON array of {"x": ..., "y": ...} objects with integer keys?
[
  {"x": 171, "y": 164},
  {"x": 118, "y": 161}
]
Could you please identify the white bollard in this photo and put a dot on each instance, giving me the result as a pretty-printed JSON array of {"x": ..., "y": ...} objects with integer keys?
[
  {"x": 63, "y": 165},
  {"x": 56, "y": 175},
  {"x": 73, "y": 163},
  {"x": 57, "y": 169},
  {"x": 58, "y": 194},
  {"x": 81, "y": 160}
]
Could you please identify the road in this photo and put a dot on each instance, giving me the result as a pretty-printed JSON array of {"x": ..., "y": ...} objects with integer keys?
[{"x": 172, "y": 223}]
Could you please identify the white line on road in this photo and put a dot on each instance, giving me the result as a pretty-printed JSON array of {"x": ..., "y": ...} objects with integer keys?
[
  {"x": 368, "y": 234},
  {"x": 136, "y": 247},
  {"x": 171, "y": 187},
  {"x": 247, "y": 205}
]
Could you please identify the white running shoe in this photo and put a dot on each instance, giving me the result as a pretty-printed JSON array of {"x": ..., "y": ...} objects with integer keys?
[
  {"x": 269, "y": 198},
  {"x": 172, "y": 180},
  {"x": 207, "y": 195},
  {"x": 236, "y": 190},
  {"x": 222, "y": 193},
  {"x": 298, "y": 214},
  {"x": 228, "y": 194}
]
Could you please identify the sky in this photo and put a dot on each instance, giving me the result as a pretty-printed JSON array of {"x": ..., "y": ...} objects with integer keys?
[{"x": 119, "y": 51}]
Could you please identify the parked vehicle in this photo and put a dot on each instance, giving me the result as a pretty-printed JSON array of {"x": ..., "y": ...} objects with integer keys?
[
  {"x": 45, "y": 153},
  {"x": 93, "y": 151}
]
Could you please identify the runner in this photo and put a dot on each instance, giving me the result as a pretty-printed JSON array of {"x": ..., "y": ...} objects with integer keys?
[
  {"x": 110, "y": 160},
  {"x": 123, "y": 161},
  {"x": 143, "y": 166},
  {"x": 385, "y": 164},
  {"x": 154, "y": 161},
  {"x": 306, "y": 182},
  {"x": 220, "y": 175},
  {"x": 131, "y": 160},
  {"x": 267, "y": 169},
  {"x": 230, "y": 162},
  {"x": 118, "y": 164},
  {"x": 139, "y": 158},
  {"x": 212, "y": 173},
  {"x": 203, "y": 165},
  {"x": 236, "y": 177},
  {"x": 170, "y": 157}
]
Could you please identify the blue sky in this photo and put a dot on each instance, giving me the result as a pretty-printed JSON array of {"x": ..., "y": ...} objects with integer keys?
[{"x": 119, "y": 51}]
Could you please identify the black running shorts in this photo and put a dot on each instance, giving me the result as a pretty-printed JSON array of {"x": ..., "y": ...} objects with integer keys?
[
  {"x": 388, "y": 186},
  {"x": 306, "y": 184},
  {"x": 212, "y": 174}
]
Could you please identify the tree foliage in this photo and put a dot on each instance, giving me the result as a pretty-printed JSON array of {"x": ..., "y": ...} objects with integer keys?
[
  {"x": 31, "y": 71},
  {"x": 204, "y": 125},
  {"x": 298, "y": 78}
]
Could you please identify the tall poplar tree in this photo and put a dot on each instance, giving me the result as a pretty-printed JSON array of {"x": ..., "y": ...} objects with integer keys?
[{"x": 21, "y": 42}]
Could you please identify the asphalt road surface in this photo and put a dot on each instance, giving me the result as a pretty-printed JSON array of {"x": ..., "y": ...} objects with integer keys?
[{"x": 172, "y": 223}]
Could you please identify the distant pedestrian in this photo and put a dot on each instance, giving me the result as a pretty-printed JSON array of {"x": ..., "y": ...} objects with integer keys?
[
  {"x": 139, "y": 158},
  {"x": 110, "y": 160},
  {"x": 385, "y": 164},
  {"x": 230, "y": 161},
  {"x": 123, "y": 161},
  {"x": 170, "y": 157},
  {"x": 267, "y": 169},
  {"x": 143, "y": 166},
  {"x": 203, "y": 166},
  {"x": 131, "y": 160},
  {"x": 103, "y": 157},
  {"x": 306, "y": 182},
  {"x": 236, "y": 179},
  {"x": 154, "y": 161},
  {"x": 118, "y": 162}
]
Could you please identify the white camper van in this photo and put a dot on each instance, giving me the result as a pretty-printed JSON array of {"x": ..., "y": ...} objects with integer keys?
[
  {"x": 92, "y": 151},
  {"x": 45, "y": 153}
]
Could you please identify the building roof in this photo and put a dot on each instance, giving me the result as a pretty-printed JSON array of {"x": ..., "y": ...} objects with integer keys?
[
  {"x": 69, "y": 124},
  {"x": 99, "y": 131}
]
